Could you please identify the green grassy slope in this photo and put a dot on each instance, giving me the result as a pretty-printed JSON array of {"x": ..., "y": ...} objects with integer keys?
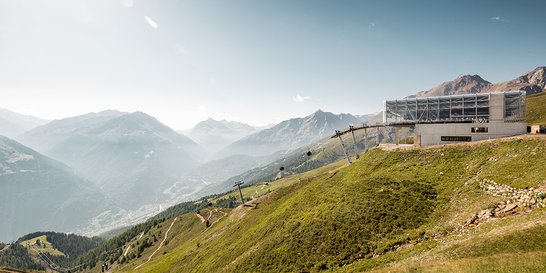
[
  {"x": 536, "y": 108},
  {"x": 352, "y": 219},
  {"x": 41, "y": 244}
]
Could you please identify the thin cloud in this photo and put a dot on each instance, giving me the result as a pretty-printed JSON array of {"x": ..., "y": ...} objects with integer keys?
[
  {"x": 372, "y": 25},
  {"x": 151, "y": 22},
  {"x": 300, "y": 98},
  {"x": 496, "y": 18}
]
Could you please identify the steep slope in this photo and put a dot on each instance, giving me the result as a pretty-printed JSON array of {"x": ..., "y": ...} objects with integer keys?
[
  {"x": 291, "y": 134},
  {"x": 323, "y": 152},
  {"x": 13, "y": 124},
  {"x": 131, "y": 156},
  {"x": 215, "y": 135},
  {"x": 38, "y": 193},
  {"x": 217, "y": 171},
  {"x": 387, "y": 207},
  {"x": 532, "y": 82}
]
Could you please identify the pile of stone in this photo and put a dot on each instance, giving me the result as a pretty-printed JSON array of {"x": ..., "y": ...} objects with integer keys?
[
  {"x": 520, "y": 197},
  {"x": 516, "y": 200}
]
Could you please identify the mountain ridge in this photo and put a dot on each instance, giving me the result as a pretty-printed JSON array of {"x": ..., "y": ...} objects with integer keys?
[
  {"x": 215, "y": 135},
  {"x": 37, "y": 192},
  {"x": 532, "y": 82},
  {"x": 291, "y": 134},
  {"x": 13, "y": 124},
  {"x": 128, "y": 155}
]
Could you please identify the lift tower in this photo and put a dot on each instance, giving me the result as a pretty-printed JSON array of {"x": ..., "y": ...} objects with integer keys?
[{"x": 238, "y": 185}]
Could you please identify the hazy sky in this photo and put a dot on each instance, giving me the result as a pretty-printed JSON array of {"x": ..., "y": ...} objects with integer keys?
[{"x": 258, "y": 62}]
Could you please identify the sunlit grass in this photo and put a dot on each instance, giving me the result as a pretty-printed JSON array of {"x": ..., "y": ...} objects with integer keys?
[{"x": 44, "y": 246}]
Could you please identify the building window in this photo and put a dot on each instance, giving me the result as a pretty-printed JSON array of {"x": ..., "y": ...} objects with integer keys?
[
  {"x": 456, "y": 138},
  {"x": 480, "y": 129}
]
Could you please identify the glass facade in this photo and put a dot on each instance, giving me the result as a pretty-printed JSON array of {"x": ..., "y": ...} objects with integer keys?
[
  {"x": 456, "y": 108},
  {"x": 514, "y": 106}
]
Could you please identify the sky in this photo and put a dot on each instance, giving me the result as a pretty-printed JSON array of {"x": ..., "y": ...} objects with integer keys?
[{"x": 258, "y": 62}]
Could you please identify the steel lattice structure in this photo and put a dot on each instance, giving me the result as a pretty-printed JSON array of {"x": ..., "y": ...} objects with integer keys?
[{"x": 451, "y": 109}]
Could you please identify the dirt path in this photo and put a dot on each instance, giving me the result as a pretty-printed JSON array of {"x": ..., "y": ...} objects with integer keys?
[
  {"x": 210, "y": 213},
  {"x": 212, "y": 224},
  {"x": 126, "y": 250},
  {"x": 129, "y": 246},
  {"x": 160, "y": 245},
  {"x": 200, "y": 217}
]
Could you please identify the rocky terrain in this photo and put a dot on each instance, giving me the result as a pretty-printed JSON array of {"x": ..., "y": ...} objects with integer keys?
[{"x": 532, "y": 82}]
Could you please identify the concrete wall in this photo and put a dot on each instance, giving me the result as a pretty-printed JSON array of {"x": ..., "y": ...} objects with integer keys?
[
  {"x": 496, "y": 107},
  {"x": 430, "y": 134}
]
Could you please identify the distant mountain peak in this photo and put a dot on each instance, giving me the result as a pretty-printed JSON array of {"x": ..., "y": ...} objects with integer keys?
[
  {"x": 531, "y": 82},
  {"x": 13, "y": 124},
  {"x": 217, "y": 134},
  {"x": 466, "y": 84},
  {"x": 109, "y": 111},
  {"x": 291, "y": 134}
]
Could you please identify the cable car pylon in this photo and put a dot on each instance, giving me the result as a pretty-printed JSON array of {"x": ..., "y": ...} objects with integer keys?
[
  {"x": 352, "y": 128},
  {"x": 338, "y": 134}
]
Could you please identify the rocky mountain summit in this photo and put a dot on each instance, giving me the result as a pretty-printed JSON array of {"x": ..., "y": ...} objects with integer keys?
[
  {"x": 466, "y": 84},
  {"x": 532, "y": 82}
]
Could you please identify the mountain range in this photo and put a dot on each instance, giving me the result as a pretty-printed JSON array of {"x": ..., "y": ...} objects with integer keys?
[
  {"x": 291, "y": 134},
  {"x": 13, "y": 124},
  {"x": 131, "y": 156},
  {"x": 39, "y": 193}
]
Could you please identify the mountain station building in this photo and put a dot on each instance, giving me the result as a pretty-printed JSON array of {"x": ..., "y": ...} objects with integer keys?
[{"x": 459, "y": 118}]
